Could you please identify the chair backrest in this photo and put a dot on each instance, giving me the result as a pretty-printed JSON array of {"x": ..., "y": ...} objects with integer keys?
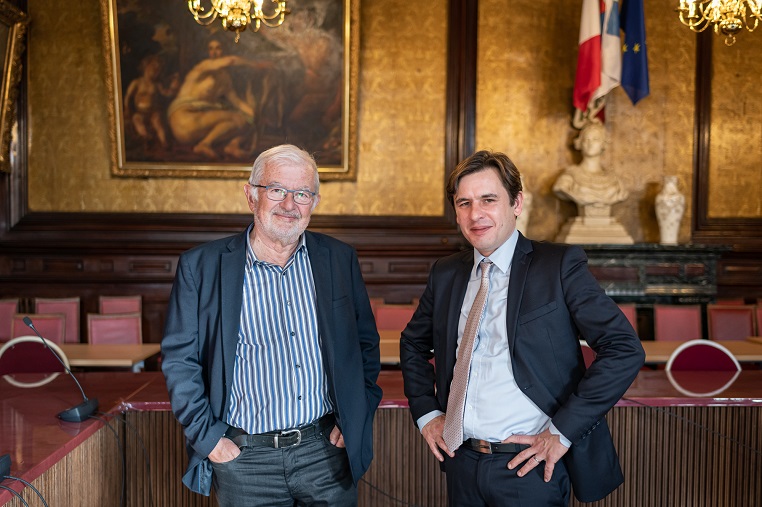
[
  {"x": 28, "y": 355},
  {"x": 730, "y": 322},
  {"x": 8, "y": 308},
  {"x": 630, "y": 311},
  {"x": 394, "y": 317},
  {"x": 677, "y": 322},
  {"x": 587, "y": 353},
  {"x": 120, "y": 304},
  {"x": 121, "y": 328},
  {"x": 67, "y": 306},
  {"x": 375, "y": 303},
  {"x": 52, "y": 326},
  {"x": 758, "y": 330},
  {"x": 703, "y": 355}
]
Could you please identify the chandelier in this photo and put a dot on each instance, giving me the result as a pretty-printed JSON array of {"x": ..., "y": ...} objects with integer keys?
[
  {"x": 237, "y": 14},
  {"x": 726, "y": 16}
]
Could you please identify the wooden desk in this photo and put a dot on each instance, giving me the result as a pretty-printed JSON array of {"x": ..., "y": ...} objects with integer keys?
[
  {"x": 658, "y": 352},
  {"x": 82, "y": 463},
  {"x": 109, "y": 356},
  {"x": 390, "y": 346}
]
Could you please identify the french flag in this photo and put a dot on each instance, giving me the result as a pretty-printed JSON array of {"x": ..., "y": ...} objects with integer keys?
[{"x": 599, "y": 64}]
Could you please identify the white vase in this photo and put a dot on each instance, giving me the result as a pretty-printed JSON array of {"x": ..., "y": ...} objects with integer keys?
[{"x": 670, "y": 206}]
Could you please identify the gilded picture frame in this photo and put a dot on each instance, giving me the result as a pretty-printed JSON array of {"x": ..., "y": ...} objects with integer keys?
[
  {"x": 13, "y": 24},
  {"x": 187, "y": 101}
]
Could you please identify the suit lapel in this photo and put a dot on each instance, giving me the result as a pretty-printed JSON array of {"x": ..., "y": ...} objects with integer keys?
[
  {"x": 233, "y": 264},
  {"x": 457, "y": 294},
  {"x": 522, "y": 257},
  {"x": 320, "y": 262}
]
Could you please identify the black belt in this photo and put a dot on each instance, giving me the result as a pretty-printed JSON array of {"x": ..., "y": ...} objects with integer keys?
[
  {"x": 485, "y": 447},
  {"x": 280, "y": 439}
]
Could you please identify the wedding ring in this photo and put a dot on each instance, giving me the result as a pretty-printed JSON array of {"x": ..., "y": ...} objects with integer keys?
[{"x": 536, "y": 460}]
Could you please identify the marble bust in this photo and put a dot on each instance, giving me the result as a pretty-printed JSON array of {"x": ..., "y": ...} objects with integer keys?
[
  {"x": 594, "y": 190},
  {"x": 589, "y": 184}
]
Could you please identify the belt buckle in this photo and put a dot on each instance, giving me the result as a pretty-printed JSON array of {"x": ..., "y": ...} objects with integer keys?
[
  {"x": 483, "y": 447},
  {"x": 286, "y": 434}
]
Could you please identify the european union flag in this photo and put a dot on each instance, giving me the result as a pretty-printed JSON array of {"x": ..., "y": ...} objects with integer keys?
[{"x": 634, "y": 54}]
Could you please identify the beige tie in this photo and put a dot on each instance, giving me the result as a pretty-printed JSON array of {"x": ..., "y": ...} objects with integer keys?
[{"x": 453, "y": 427}]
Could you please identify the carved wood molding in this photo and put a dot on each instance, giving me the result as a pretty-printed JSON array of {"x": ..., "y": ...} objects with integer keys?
[{"x": 743, "y": 233}]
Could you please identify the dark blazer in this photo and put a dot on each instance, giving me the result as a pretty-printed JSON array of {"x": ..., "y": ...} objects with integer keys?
[
  {"x": 198, "y": 349},
  {"x": 553, "y": 300}
]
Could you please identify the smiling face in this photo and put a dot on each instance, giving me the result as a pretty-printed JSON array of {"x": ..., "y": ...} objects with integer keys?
[
  {"x": 484, "y": 211},
  {"x": 281, "y": 222}
]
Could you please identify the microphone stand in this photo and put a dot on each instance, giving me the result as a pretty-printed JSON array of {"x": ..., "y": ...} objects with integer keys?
[{"x": 77, "y": 413}]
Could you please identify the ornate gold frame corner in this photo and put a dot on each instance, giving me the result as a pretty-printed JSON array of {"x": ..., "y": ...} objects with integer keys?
[{"x": 15, "y": 21}]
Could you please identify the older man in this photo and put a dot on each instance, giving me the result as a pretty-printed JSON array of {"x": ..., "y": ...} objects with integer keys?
[{"x": 271, "y": 352}]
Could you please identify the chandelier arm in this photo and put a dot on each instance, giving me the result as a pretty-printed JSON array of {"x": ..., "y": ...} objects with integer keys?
[{"x": 695, "y": 26}]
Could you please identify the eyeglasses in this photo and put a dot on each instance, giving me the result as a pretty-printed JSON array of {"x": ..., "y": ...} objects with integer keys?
[{"x": 276, "y": 193}]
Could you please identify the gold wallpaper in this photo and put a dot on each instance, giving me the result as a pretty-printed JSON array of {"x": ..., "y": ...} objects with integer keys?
[
  {"x": 735, "y": 148},
  {"x": 527, "y": 61},
  {"x": 401, "y": 120},
  {"x": 524, "y": 108}
]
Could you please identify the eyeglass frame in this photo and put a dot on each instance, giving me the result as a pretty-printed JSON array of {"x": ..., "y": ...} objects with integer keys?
[{"x": 288, "y": 191}]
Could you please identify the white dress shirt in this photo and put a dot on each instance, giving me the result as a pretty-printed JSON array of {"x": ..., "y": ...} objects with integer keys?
[{"x": 495, "y": 406}]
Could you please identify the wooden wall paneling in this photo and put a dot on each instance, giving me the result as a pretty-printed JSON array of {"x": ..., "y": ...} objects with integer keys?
[
  {"x": 89, "y": 476},
  {"x": 721, "y": 444},
  {"x": 740, "y": 271}
]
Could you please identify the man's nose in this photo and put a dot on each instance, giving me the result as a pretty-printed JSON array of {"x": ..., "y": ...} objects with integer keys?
[
  {"x": 288, "y": 202},
  {"x": 476, "y": 211}
]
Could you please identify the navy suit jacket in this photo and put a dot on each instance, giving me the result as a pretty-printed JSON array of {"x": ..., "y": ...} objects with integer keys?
[
  {"x": 553, "y": 301},
  {"x": 199, "y": 345}
]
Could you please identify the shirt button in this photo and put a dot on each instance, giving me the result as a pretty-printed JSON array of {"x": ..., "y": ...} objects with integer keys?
[
  {"x": 298, "y": 365},
  {"x": 300, "y": 397},
  {"x": 292, "y": 333}
]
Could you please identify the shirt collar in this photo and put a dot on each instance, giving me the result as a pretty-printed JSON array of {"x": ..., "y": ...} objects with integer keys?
[
  {"x": 251, "y": 257},
  {"x": 502, "y": 257}
]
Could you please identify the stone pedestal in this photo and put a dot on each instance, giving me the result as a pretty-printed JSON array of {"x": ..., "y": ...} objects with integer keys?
[
  {"x": 593, "y": 231},
  {"x": 596, "y": 226}
]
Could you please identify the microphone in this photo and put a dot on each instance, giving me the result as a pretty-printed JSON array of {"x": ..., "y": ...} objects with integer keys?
[
  {"x": 5, "y": 466},
  {"x": 79, "y": 412}
]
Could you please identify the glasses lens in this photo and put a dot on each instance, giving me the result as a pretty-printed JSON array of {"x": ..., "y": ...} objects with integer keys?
[
  {"x": 276, "y": 193},
  {"x": 302, "y": 197}
]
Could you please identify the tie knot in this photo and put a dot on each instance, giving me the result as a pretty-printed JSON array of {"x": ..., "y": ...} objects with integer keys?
[{"x": 486, "y": 264}]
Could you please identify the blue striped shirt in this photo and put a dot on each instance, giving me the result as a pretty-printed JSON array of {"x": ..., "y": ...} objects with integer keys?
[{"x": 279, "y": 381}]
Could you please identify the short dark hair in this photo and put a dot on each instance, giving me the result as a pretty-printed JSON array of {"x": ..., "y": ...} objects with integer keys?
[{"x": 481, "y": 160}]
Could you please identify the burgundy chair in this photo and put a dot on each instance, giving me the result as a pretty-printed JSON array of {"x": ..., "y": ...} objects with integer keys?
[
  {"x": 702, "y": 368},
  {"x": 730, "y": 322},
  {"x": 8, "y": 308},
  {"x": 587, "y": 353},
  {"x": 25, "y": 361},
  {"x": 702, "y": 355},
  {"x": 677, "y": 322},
  {"x": 67, "y": 306},
  {"x": 630, "y": 311},
  {"x": 120, "y": 304},
  {"x": 52, "y": 326},
  {"x": 758, "y": 330},
  {"x": 394, "y": 317},
  {"x": 375, "y": 303},
  {"x": 120, "y": 328}
]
